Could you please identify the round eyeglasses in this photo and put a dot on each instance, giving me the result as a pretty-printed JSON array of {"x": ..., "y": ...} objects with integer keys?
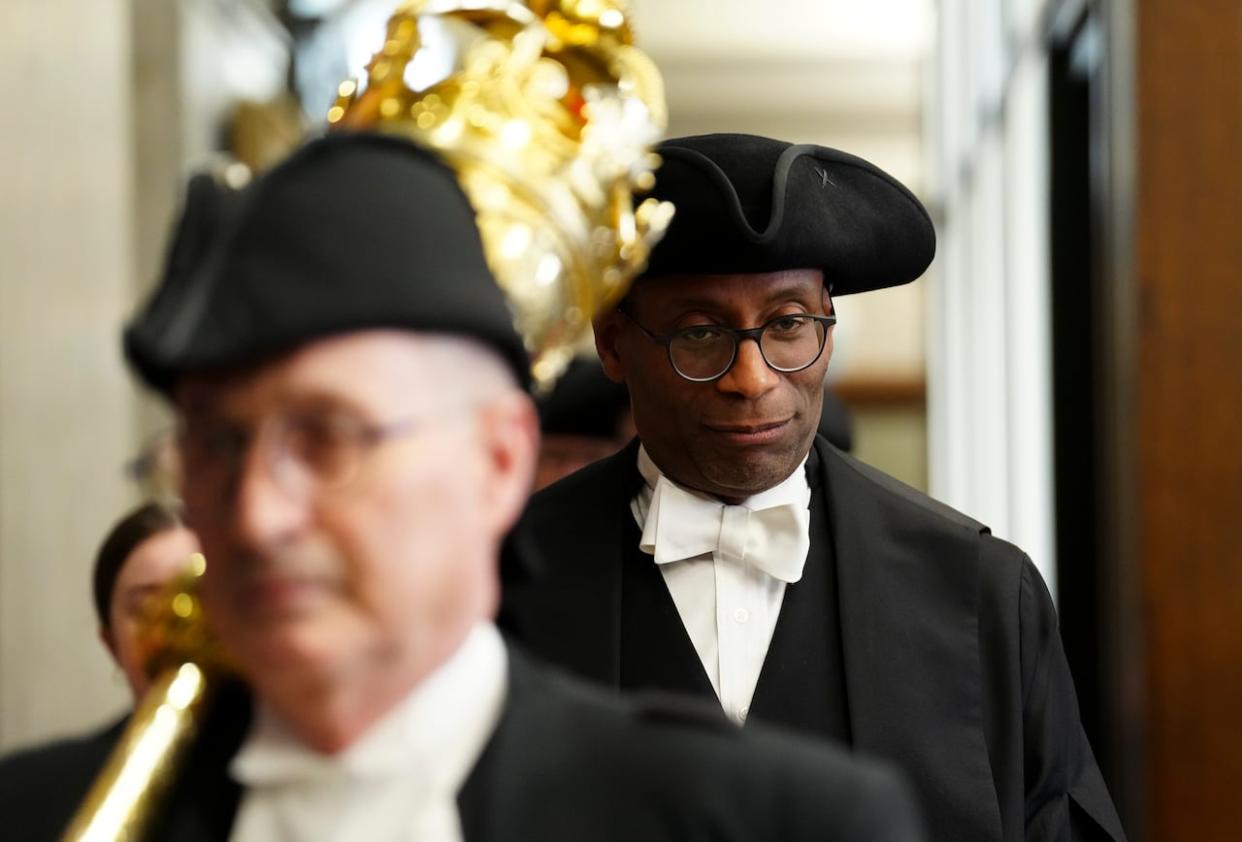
[{"x": 703, "y": 353}]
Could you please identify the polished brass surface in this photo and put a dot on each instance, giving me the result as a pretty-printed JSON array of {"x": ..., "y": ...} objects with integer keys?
[
  {"x": 185, "y": 663},
  {"x": 547, "y": 113}
]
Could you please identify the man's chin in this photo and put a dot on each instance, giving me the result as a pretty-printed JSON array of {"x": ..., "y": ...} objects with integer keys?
[{"x": 749, "y": 474}]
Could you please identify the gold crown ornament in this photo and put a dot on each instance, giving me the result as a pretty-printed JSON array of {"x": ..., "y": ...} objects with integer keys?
[{"x": 547, "y": 112}]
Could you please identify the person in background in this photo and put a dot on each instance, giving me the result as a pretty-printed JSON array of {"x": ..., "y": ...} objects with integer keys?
[
  {"x": 141, "y": 553},
  {"x": 731, "y": 553},
  {"x": 584, "y": 417}
]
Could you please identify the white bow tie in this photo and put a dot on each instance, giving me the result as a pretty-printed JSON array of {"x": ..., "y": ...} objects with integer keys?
[{"x": 681, "y": 525}]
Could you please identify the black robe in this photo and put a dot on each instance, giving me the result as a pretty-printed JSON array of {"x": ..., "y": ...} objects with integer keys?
[
  {"x": 951, "y": 659},
  {"x": 566, "y": 762}
]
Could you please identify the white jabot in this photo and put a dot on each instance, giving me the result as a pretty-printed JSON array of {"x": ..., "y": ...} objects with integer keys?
[
  {"x": 726, "y": 567},
  {"x": 398, "y": 782}
]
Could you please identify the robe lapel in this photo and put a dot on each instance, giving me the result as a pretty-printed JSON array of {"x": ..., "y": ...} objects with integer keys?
[
  {"x": 909, "y": 589},
  {"x": 656, "y": 650},
  {"x": 527, "y": 742}
]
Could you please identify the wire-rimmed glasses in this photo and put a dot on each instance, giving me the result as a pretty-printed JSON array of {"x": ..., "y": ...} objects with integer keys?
[{"x": 304, "y": 452}]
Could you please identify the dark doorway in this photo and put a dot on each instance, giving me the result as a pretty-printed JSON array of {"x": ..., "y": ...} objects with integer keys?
[{"x": 1074, "y": 74}]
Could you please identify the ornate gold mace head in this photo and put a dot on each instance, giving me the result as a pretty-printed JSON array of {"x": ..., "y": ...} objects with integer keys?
[{"x": 547, "y": 113}]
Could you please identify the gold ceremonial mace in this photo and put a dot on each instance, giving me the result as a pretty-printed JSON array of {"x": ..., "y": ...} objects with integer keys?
[
  {"x": 547, "y": 112},
  {"x": 184, "y": 662}
]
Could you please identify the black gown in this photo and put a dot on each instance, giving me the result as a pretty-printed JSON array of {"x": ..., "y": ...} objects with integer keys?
[{"x": 939, "y": 643}]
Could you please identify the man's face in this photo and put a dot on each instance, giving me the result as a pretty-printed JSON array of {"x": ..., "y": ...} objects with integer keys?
[
  {"x": 313, "y": 583},
  {"x": 150, "y": 566},
  {"x": 738, "y": 435}
]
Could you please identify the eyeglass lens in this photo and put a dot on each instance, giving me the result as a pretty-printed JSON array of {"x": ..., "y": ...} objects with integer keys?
[
  {"x": 302, "y": 451},
  {"x": 788, "y": 344}
]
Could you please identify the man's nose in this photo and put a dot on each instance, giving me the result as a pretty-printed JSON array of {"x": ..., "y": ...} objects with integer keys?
[
  {"x": 749, "y": 376},
  {"x": 265, "y": 511}
]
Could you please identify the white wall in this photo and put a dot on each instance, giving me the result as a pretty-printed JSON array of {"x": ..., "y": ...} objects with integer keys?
[
  {"x": 66, "y": 406},
  {"x": 989, "y": 333}
]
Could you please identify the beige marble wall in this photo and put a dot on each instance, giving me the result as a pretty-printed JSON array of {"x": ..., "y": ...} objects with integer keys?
[{"x": 66, "y": 405}]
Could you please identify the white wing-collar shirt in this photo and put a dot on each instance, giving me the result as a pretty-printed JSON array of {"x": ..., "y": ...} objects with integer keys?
[
  {"x": 398, "y": 782},
  {"x": 726, "y": 567}
]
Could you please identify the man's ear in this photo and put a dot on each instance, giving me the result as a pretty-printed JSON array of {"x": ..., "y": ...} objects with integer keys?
[
  {"x": 510, "y": 427},
  {"x": 607, "y": 333}
]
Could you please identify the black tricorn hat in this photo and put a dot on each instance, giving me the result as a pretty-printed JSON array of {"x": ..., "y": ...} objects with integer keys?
[
  {"x": 753, "y": 204},
  {"x": 352, "y": 231}
]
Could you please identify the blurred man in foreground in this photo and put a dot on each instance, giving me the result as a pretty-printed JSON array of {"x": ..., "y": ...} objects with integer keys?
[{"x": 356, "y": 443}]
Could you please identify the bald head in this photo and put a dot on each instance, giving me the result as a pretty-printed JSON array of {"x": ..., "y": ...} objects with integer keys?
[{"x": 461, "y": 371}]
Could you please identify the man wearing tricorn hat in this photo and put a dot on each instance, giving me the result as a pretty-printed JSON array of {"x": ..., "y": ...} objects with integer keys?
[
  {"x": 355, "y": 444},
  {"x": 730, "y": 553}
]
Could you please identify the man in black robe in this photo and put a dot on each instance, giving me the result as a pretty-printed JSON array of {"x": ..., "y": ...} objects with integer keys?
[
  {"x": 355, "y": 444},
  {"x": 730, "y": 553}
]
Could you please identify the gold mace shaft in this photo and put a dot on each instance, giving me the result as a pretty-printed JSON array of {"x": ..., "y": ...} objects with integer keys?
[{"x": 127, "y": 794}]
